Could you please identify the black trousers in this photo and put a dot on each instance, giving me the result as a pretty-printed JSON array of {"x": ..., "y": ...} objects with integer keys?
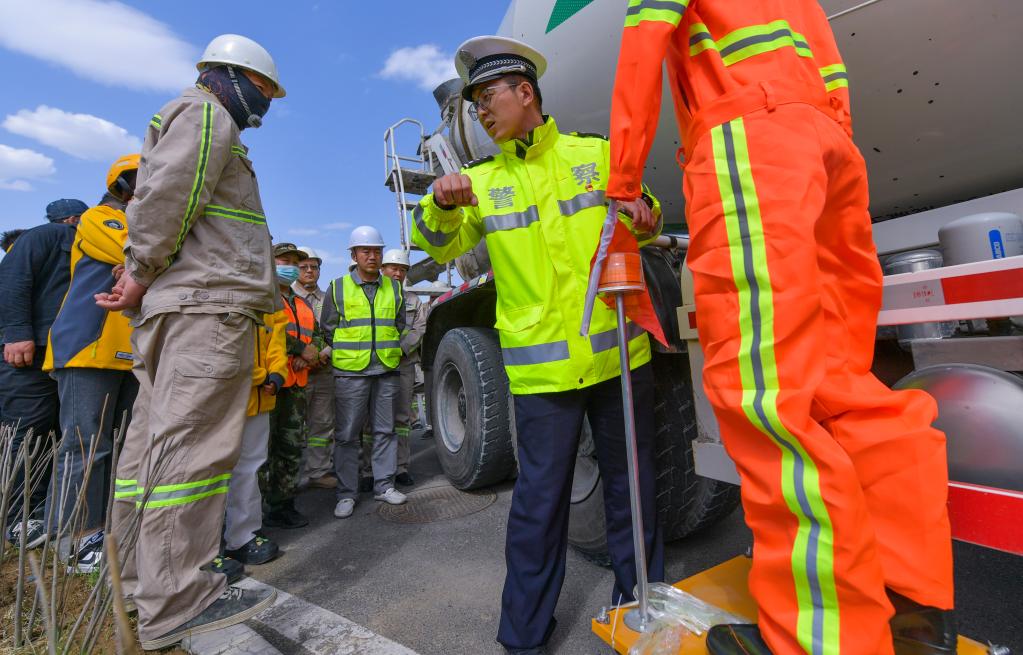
[
  {"x": 28, "y": 399},
  {"x": 548, "y": 427}
]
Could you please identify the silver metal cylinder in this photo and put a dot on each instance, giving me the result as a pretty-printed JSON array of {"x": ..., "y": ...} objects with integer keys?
[
  {"x": 637, "y": 623},
  {"x": 909, "y": 262}
]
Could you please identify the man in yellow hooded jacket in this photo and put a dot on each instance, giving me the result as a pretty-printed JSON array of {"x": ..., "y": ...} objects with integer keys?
[{"x": 89, "y": 354}]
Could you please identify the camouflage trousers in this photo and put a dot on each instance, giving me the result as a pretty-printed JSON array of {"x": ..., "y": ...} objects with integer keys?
[{"x": 279, "y": 477}]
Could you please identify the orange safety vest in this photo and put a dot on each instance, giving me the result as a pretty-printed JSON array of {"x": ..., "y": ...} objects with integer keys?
[
  {"x": 724, "y": 58},
  {"x": 300, "y": 326}
]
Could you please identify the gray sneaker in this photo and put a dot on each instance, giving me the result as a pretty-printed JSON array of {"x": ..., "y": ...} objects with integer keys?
[{"x": 234, "y": 606}]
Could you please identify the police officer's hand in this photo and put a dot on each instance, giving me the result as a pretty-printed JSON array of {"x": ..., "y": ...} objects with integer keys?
[
  {"x": 127, "y": 293},
  {"x": 642, "y": 216},
  {"x": 20, "y": 353},
  {"x": 454, "y": 190}
]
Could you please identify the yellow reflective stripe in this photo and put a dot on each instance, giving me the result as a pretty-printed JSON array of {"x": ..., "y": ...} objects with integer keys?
[
  {"x": 746, "y": 42},
  {"x": 834, "y": 76},
  {"x": 235, "y": 214},
  {"x": 200, "y": 176},
  {"x": 239, "y": 151},
  {"x": 318, "y": 442},
  {"x": 812, "y": 559},
  {"x": 187, "y": 492},
  {"x": 126, "y": 488},
  {"x": 664, "y": 11}
]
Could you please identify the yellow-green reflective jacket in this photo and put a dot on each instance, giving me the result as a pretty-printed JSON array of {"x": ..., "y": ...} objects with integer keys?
[
  {"x": 541, "y": 207},
  {"x": 85, "y": 335},
  {"x": 363, "y": 327}
]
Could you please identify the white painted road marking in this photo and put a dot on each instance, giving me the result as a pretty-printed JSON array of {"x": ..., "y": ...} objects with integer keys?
[{"x": 294, "y": 627}]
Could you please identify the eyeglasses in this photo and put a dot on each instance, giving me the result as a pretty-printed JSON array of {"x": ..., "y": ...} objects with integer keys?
[
  {"x": 484, "y": 99},
  {"x": 308, "y": 267}
]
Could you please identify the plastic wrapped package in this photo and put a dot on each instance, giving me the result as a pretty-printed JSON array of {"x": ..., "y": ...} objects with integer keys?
[
  {"x": 660, "y": 639},
  {"x": 672, "y": 606}
]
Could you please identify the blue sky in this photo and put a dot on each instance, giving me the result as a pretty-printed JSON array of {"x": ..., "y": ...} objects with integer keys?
[{"x": 83, "y": 77}]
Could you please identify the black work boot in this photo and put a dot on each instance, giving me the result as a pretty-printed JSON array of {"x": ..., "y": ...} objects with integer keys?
[
  {"x": 232, "y": 568},
  {"x": 921, "y": 630},
  {"x": 285, "y": 516},
  {"x": 736, "y": 639},
  {"x": 257, "y": 551}
]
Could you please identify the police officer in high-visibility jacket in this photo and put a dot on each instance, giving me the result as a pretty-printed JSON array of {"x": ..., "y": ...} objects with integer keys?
[
  {"x": 89, "y": 354},
  {"x": 539, "y": 203},
  {"x": 844, "y": 481},
  {"x": 365, "y": 313}
]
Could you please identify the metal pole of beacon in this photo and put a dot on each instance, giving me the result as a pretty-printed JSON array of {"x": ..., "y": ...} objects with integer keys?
[{"x": 623, "y": 274}]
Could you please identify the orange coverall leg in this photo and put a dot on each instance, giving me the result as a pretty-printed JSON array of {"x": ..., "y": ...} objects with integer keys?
[{"x": 844, "y": 482}]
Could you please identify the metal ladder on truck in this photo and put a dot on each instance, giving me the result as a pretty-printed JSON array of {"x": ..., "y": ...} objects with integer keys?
[{"x": 412, "y": 175}]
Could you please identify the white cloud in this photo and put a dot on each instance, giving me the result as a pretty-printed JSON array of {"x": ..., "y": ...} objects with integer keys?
[
  {"x": 338, "y": 226},
  {"x": 425, "y": 65},
  {"x": 18, "y": 165},
  {"x": 103, "y": 41},
  {"x": 81, "y": 135},
  {"x": 303, "y": 231}
]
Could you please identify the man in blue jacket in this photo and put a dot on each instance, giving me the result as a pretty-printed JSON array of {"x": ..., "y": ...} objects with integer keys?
[{"x": 34, "y": 276}]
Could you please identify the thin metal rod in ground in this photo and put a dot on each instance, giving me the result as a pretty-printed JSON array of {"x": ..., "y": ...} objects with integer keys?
[
  {"x": 48, "y": 621},
  {"x": 19, "y": 593}
]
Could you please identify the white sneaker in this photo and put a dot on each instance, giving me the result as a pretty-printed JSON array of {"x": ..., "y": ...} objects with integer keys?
[
  {"x": 392, "y": 497},
  {"x": 344, "y": 508}
]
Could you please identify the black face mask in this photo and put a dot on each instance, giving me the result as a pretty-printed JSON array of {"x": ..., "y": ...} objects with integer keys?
[{"x": 242, "y": 99}]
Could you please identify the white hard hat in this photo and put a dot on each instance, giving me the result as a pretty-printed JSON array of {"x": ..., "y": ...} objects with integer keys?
[
  {"x": 396, "y": 256},
  {"x": 310, "y": 253},
  {"x": 351, "y": 266},
  {"x": 365, "y": 235},
  {"x": 243, "y": 52}
]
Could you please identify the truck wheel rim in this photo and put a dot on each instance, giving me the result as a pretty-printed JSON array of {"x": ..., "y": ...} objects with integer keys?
[{"x": 453, "y": 409}]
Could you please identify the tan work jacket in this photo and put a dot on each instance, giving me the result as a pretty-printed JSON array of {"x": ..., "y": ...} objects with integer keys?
[
  {"x": 416, "y": 313},
  {"x": 197, "y": 235}
]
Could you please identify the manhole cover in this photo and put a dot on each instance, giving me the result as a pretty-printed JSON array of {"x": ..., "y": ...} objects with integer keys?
[{"x": 437, "y": 504}]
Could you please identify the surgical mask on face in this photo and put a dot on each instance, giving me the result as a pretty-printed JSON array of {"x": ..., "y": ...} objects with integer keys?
[{"x": 287, "y": 273}]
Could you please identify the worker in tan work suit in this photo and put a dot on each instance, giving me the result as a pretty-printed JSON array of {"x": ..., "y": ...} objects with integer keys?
[{"x": 199, "y": 270}]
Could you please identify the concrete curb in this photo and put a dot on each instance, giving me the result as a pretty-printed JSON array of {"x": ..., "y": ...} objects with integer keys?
[{"x": 293, "y": 626}]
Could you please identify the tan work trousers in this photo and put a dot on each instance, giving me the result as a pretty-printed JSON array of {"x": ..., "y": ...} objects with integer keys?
[
  {"x": 195, "y": 376},
  {"x": 402, "y": 423},
  {"x": 319, "y": 424}
]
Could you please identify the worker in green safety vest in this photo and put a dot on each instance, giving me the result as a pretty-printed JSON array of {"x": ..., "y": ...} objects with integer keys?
[{"x": 365, "y": 313}]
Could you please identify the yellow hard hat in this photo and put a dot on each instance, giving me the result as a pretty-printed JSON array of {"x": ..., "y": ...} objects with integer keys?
[{"x": 120, "y": 186}]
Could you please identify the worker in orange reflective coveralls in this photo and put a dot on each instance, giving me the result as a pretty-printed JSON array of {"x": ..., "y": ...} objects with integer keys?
[{"x": 844, "y": 482}]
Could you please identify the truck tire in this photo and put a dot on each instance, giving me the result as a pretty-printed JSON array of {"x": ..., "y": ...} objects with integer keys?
[
  {"x": 470, "y": 407},
  {"x": 686, "y": 502}
]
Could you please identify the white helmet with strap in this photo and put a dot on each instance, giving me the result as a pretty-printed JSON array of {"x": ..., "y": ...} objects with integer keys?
[
  {"x": 242, "y": 52},
  {"x": 311, "y": 254},
  {"x": 396, "y": 256}
]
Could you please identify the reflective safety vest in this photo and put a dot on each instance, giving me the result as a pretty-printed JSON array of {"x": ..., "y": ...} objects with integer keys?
[
  {"x": 363, "y": 327},
  {"x": 541, "y": 208},
  {"x": 301, "y": 327}
]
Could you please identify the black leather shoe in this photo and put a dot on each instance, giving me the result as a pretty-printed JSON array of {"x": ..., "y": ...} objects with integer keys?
[
  {"x": 366, "y": 485},
  {"x": 232, "y": 568},
  {"x": 921, "y": 630},
  {"x": 286, "y": 517},
  {"x": 404, "y": 479},
  {"x": 257, "y": 551},
  {"x": 736, "y": 639}
]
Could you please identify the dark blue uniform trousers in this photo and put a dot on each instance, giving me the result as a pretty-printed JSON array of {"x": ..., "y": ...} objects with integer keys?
[
  {"x": 28, "y": 399},
  {"x": 548, "y": 427}
]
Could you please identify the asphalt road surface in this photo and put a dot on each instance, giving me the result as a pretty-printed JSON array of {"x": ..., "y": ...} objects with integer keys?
[{"x": 435, "y": 587}]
